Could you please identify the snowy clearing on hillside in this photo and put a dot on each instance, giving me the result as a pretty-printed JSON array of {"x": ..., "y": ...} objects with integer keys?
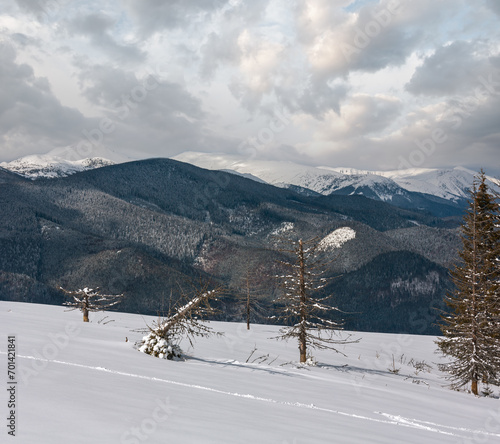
[
  {"x": 84, "y": 383},
  {"x": 285, "y": 227},
  {"x": 336, "y": 238}
]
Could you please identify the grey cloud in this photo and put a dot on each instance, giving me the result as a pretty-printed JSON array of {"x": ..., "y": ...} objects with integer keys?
[
  {"x": 97, "y": 28},
  {"x": 248, "y": 98},
  {"x": 222, "y": 47},
  {"x": 467, "y": 135},
  {"x": 249, "y": 12},
  {"x": 40, "y": 8},
  {"x": 372, "y": 114},
  {"x": 475, "y": 121},
  {"x": 24, "y": 40},
  {"x": 150, "y": 116},
  {"x": 494, "y": 5},
  {"x": 319, "y": 98},
  {"x": 382, "y": 35},
  {"x": 151, "y": 16},
  {"x": 106, "y": 86},
  {"x": 218, "y": 49},
  {"x": 31, "y": 118},
  {"x": 451, "y": 69},
  {"x": 390, "y": 48}
]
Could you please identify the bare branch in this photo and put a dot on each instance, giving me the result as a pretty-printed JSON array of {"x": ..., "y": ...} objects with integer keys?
[{"x": 89, "y": 300}]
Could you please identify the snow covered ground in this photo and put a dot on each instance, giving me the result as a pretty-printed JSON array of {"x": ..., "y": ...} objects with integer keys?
[{"x": 83, "y": 383}]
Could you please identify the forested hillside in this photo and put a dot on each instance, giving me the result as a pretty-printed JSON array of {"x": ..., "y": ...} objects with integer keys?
[{"x": 147, "y": 228}]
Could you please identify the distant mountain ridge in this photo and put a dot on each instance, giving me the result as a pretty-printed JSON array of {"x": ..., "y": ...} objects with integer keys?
[
  {"x": 38, "y": 167},
  {"x": 63, "y": 162},
  {"x": 448, "y": 184},
  {"x": 439, "y": 192}
]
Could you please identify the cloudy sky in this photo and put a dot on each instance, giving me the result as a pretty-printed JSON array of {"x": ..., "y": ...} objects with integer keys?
[{"x": 367, "y": 84}]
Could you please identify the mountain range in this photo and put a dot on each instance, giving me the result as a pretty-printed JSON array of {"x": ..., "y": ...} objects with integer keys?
[
  {"x": 147, "y": 228},
  {"x": 441, "y": 192}
]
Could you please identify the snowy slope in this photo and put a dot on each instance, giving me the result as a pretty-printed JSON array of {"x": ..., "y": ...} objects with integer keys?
[
  {"x": 61, "y": 162},
  {"x": 283, "y": 173},
  {"x": 442, "y": 183},
  {"x": 451, "y": 184},
  {"x": 279, "y": 173},
  {"x": 82, "y": 383},
  {"x": 42, "y": 166},
  {"x": 336, "y": 238}
]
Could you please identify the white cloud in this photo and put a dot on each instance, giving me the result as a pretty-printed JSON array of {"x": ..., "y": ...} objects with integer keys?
[
  {"x": 32, "y": 119},
  {"x": 363, "y": 81}
]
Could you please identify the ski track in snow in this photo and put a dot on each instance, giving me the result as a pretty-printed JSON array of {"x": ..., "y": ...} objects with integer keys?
[{"x": 391, "y": 419}]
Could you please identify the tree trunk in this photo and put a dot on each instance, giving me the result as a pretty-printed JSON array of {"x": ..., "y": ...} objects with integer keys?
[
  {"x": 302, "y": 349},
  {"x": 248, "y": 317},
  {"x": 474, "y": 386},
  {"x": 85, "y": 308},
  {"x": 303, "y": 313},
  {"x": 248, "y": 303}
]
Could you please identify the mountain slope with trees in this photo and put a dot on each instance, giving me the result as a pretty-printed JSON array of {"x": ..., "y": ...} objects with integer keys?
[{"x": 145, "y": 228}]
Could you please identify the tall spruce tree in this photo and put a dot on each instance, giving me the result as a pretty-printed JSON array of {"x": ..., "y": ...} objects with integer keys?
[{"x": 471, "y": 329}]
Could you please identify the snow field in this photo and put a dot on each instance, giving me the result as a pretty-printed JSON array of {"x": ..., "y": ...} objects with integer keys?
[{"x": 82, "y": 383}]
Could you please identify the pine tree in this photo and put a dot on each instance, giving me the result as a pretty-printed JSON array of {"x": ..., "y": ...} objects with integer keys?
[
  {"x": 88, "y": 299},
  {"x": 492, "y": 201},
  {"x": 302, "y": 307},
  {"x": 471, "y": 330}
]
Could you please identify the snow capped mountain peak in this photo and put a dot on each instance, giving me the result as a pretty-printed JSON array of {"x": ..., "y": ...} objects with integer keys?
[
  {"x": 46, "y": 166},
  {"x": 389, "y": 186},
  {"x": 449, "y": 184}
]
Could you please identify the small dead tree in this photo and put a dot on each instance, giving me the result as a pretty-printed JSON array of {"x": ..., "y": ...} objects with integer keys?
[
  {"x": 183, "y": 320},
  {"x": 249, "y": 298},
  {"x": 303, "y": 311},
  {"x": 88, "y": 299}
]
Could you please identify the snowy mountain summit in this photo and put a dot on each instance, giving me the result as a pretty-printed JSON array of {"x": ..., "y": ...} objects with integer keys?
[
  {"x": 388, "y": 186},
  {"x": 62, "y": 162},
  {"x": 37, "y": 167},
  {"x": 410, "y": 188}
]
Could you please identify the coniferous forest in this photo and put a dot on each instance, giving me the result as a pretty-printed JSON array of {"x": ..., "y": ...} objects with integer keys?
[{"x": 144, "y": 229}]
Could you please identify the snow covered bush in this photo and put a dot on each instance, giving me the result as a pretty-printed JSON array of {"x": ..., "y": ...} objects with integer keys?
[{"x": 154, "y": 345}]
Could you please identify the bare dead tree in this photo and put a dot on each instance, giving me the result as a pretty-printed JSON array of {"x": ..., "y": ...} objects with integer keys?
[
  {"x": 304, "y": 312},
  {"x": 249, "y": 299},
  {"x": 88, "y": 299},
  {"x": 183, "y": 320}
]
